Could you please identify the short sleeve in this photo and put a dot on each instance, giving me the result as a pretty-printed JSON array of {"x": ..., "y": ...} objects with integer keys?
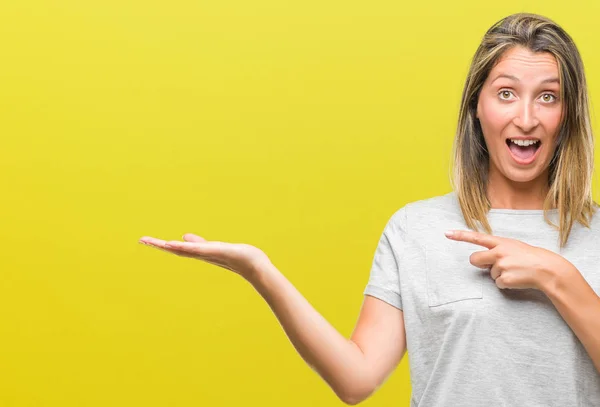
[{"x": 384, "y": 279}]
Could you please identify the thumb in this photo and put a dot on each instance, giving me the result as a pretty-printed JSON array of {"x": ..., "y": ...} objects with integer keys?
[{"x": 190, "y": 237}]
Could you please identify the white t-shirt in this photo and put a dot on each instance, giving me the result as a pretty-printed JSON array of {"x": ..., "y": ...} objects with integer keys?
[{"x": 469, "y": 342}]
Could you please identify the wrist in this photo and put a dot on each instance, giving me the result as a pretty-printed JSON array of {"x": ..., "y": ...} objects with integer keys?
[
  {"x": 551, "y": 278},
  {"x": 259, "y": 273}
]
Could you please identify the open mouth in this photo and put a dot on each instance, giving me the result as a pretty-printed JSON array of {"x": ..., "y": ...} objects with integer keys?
[{"x": 523, "y": 151}]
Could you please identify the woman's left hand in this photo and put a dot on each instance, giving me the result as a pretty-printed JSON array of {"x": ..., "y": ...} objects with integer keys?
[{"x": 512, "y": 263}]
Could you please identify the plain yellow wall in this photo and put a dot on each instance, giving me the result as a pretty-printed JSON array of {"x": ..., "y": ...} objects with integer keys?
[{"x": 299, "y": 127}]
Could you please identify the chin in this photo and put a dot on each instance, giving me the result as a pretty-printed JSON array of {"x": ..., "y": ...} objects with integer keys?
[{"x": 522, "y": 175}]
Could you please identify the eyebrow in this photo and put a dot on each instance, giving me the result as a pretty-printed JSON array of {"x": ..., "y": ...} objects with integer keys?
[{"x": 514, "y": 78}]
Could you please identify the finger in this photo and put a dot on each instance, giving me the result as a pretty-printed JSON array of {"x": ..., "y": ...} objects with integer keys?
[
  {"x": 151, "y": 241},
  {"x": 483, "y": 259},
  {"x": 211, "y": 252},
  {"x": 190, "y": 237},
  {"x": 480, "y": 239},
  {"x": 495, "y": 272},
  {"x": 167, "y": 250},
  {"x": 160, "y": 245},
  {"x": 501, "y": 281},
  {"x": 206, "y": 248}
]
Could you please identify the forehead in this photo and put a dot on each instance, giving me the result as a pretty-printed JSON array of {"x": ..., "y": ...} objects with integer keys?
[{"x": 525, "y": 65}]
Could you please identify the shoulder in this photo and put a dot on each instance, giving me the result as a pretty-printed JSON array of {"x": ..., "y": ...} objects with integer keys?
[
  {"x": 426, "y": 212},
  {"x": 441, "y": 203}
]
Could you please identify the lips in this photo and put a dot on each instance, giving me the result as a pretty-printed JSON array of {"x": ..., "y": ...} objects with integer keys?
[
  {"x": 523, "y": 155},
  {"x": 523, "y": 138}
]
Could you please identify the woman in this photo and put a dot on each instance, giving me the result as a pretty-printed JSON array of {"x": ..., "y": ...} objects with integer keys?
[{"x": 509, "y": 318}]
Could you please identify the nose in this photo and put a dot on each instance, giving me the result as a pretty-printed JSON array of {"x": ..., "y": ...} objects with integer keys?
[{"x": 526, "y": 117}]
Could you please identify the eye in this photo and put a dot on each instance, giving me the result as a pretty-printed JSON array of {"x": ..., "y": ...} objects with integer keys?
[
  {"x": 505, "y": 94},
  {"x": 548, "y": 97}
]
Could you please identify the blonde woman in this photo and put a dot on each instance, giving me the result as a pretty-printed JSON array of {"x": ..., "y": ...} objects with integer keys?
[{"x": 504, "y": 311}]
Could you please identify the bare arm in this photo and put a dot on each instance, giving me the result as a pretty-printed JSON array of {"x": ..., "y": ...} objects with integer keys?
[
  {"x": 354, "y": 368},
  {"x": 579, "y": 306}
]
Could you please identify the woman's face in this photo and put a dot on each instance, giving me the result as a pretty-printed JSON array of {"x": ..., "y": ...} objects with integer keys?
[{"x": 520, "y": 101}]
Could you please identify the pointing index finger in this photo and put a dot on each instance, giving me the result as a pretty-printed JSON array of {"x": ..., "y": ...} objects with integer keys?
[{"x": 480, "y": 239}]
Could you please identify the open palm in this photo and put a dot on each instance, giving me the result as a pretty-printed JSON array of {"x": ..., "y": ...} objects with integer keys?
[{"x": 240, "y": 258}]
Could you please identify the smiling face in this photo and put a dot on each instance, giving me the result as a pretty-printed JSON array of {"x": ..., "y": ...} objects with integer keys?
[{"x": 520, "y": 100}]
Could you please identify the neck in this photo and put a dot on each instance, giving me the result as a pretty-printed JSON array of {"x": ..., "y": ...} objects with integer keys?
[{"x": 504, "y": 193}]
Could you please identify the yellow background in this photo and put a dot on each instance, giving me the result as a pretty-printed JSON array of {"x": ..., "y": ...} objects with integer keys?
[{"x": 298, "y": 127}]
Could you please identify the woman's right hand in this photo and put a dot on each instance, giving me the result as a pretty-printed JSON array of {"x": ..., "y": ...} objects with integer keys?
[
  {"x": 352, "y": 368},
  {"x": 240, "y": 258}
]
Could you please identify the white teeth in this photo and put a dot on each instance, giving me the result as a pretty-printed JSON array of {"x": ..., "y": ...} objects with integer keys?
[{"x": 524, "y": 143}]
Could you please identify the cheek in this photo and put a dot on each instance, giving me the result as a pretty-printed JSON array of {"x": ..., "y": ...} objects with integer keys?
[
  {"x": 551, "y": 121},
  {"x": 493, "y": 119}
]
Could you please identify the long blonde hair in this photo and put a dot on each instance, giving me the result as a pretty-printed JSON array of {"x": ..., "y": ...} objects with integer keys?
[{"x": 572, "y": 166}]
